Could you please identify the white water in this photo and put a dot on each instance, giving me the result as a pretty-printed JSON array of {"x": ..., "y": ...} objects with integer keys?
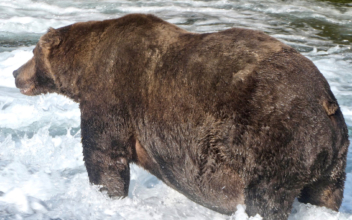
[{"x": 42, "y": 174}]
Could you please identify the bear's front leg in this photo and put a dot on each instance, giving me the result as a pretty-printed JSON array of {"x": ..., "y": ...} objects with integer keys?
[{"x": 106, "y": 153}]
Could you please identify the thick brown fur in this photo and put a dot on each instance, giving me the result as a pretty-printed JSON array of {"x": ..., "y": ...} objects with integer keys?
[{"x": 226, "y": 118}]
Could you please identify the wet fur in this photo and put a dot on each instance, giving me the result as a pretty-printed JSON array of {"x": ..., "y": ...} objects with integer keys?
[{"x": 227, "y": 118}]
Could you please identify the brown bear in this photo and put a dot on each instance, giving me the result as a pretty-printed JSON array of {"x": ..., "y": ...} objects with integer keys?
[{"x": 226, "y": 118}]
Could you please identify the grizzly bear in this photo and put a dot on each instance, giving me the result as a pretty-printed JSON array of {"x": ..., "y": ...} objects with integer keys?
[{"x": 226, "y": 118}]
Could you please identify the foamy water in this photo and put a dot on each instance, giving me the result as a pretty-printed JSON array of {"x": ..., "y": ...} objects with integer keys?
[{"x": 42, "y": 174}]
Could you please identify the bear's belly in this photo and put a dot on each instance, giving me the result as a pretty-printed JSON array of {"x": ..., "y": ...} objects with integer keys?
[{"x": 221, "y": 191}]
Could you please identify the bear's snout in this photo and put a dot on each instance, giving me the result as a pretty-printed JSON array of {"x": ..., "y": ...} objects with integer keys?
[
  {"x": 15, "y": 73},
  {"x": 24, "y": 78}
]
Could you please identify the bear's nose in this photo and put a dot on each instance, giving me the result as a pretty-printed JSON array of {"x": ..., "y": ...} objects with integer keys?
[{"x": 15, "y": 73}]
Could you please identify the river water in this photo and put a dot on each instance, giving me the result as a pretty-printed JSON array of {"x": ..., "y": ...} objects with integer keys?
[{"x": 42, "y": 174}]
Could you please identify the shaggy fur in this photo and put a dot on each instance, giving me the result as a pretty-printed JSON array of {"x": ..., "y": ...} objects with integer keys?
[{"x": 226, "y": 118}]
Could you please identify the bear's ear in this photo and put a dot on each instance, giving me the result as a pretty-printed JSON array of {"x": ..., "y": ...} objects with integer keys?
[{"x": 51, "y": 39}]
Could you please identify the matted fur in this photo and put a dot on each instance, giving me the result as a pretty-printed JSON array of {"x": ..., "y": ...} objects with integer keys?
[{"x": 226, "y": 118}]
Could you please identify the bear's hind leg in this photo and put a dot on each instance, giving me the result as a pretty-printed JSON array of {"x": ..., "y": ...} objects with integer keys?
[
  {"x": 273, "y": 204},
  {"x": 324, "y": 192}
]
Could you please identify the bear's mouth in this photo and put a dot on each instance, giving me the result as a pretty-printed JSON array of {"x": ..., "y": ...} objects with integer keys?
[{"x": 27, "y": 91}]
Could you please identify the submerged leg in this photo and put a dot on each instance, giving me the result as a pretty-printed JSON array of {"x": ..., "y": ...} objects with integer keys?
[
  {"x": 324, "y": 192},
  {"x": 270, "y": 203},
  {"x": 107, "y": 153}
]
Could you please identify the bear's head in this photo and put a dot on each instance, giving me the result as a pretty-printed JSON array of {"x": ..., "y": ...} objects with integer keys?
[{"x": 35, "y": 77}]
